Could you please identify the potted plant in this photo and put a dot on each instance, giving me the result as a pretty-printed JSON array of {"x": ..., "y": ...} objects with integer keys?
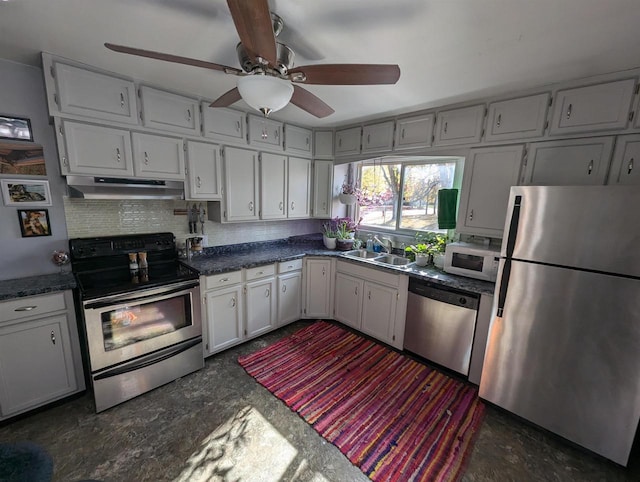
[
  {"x": 350, "y": 193},
  {"x": 345, "y": 232},
  {"x": 428, "y": 248},
  {"x": 329, "y": 234}
]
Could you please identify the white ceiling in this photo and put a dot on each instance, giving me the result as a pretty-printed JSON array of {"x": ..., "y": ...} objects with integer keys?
[{"x": 448, "y": 50}]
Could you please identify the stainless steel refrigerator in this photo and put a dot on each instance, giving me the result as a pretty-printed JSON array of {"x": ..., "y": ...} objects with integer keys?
[{"x": 564, "y": 342}]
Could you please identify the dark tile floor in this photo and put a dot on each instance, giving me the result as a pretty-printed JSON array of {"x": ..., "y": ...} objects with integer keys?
[{"x": 218, "y": 424}]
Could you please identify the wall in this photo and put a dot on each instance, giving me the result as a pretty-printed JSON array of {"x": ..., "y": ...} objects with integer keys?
[
  {"x": 106, "y": 218},
  {"x": 22, "y": 94}
]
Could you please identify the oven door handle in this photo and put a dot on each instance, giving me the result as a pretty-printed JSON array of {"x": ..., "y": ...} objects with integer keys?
[
  {"x": 120, "y": 299},
  {"x": 149, "y": 360}
]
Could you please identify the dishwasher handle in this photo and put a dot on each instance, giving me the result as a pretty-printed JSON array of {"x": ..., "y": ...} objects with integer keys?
[{"x": 449, "y": 296}]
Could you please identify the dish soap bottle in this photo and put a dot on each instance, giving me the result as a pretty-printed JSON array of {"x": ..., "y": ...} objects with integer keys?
[{"x": 370, "y": 242}]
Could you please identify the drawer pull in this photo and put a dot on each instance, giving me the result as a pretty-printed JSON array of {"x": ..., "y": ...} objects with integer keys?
[
  {"x": 121, "y": 100},
  {"x": 630, "y": 166},
  {"x": 118, "y": 157},
  {"x": 266, "y": 293},
  {"x": 26, "y": 308},
  {"x": 284, "y": 288},
  {"x": 146, "y": 157},
  {"x": 569, "y": 111},
  {"x": 189, "y": 115},
  {"x": 259, "y": 273},
  {"x": 590, "y": 168},
  {"x": 223, "y": 280},
  {"x": 446, "y": 124},
  {"x": 233, "y": 302},
  {"x": 499, "y": 120},
  {"x": 53, "y": 338},
  {"x": 198, "y": 181},
  {"x": 238, "y": 126}
]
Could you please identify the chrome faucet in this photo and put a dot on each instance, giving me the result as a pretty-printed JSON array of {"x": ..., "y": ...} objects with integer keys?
[{"x": 386, "y": 249}]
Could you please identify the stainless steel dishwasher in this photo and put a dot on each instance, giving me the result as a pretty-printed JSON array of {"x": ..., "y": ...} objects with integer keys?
[{"x": 440, "y": 324}]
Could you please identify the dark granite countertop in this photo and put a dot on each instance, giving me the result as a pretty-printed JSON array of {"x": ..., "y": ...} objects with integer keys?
[
  {"x": 36, "y": 285},
  {"x": 223, "y": 259}
]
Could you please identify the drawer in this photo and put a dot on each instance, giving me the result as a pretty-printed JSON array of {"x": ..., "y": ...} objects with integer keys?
[
  {"x": 293, "y": 265},
  {"x": 223, "y": 279},
  {"x": 30, "y": 306},
  {"x": 260, "y": 272}
]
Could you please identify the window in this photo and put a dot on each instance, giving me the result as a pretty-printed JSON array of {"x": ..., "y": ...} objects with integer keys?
[{"x": 403, "y": 195}]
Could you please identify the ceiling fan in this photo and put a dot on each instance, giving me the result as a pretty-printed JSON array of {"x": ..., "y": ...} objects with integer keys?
[{"x": 268, "y": 81}]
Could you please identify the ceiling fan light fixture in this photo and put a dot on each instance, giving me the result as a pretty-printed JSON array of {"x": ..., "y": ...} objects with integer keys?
[{"x": 265, "y": 93}]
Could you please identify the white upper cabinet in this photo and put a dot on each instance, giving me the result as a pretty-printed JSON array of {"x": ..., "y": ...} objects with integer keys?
[
  {"x": 414, "y": 132},
  {"x": 625, "y": 167},
  {"x": 241, "y": 182},
  {"x": 223, "y": 124},
  {"x": 459, "y": 126},
  {"x": 489, "y": 173},
  {"x": 273, "y": 186},
  {"x": 593, "y": 108},
  {"x": 265, "y": 132},
  {"x": 569, "y": 163},
  {"x": 348, "y": 141},
  {"x": 520, "y": 118},
  {"x": 95, "y": 150},
  {"x": 323, "y": 144},
  {"x": 86, "y": 93},
  {"x": 377, "y": 137},
  {"x": 158, "y": 157},
  {"x": 170, "y": 112},
  {"x": 203, "y": 172},
  {"x": 298, "y": 141},
  {"x": 322, "y": 188},
  {"x": 298, "y": 188}
]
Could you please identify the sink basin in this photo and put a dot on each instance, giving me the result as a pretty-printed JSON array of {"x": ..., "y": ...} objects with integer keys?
[
  {"x": 362, "y": 253},
  {"x": 393, "y": 260}
]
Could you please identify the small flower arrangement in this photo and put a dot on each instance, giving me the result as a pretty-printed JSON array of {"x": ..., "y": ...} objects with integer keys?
[
  {"x": 345, "y": 227},
  {"x": 329, "y": 229}
]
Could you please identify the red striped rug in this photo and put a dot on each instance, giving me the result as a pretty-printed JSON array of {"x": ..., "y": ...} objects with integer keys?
[{"x": 394, "y": 418}]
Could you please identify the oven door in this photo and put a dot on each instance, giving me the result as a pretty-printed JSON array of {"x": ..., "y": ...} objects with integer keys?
[{"x": 126, "y": 326}]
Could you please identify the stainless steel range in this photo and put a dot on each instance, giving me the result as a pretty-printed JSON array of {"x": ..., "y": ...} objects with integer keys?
[{"x": 143, "y": 325}]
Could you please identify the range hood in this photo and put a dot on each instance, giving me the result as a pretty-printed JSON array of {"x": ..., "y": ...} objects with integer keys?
[{"x": 113, "y": 188}]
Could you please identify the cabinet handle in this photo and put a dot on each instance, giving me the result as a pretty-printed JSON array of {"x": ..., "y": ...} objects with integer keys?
[
  {"x": 238, "y": 126},
  {"x": 590, "y": 169},
  {"x": 446, "y": 124},
  {"x": 306, "y": 141},
  {"x": 53, "y": 338},
  {"x": 471, "y": 215},
  {"x": 146, "y": 158},
  {"x": 284, "y": 288},
  {"x": 198, "y": 181},
  {"x": 292, "y": 205},
  {"x": 26, "y": 308},
  {"x": 266, "y": 293},
  {"x": 189, "y": 115},
  {"x": 368, "y": 138},
  {"x": 630, "y": 166},
  {"x": 339, "y": 141},
  {"x": 323, "y": 268},
  {"x": 356, "y": 291},
  {"x": 324, "y": 206},
  {"x": 281, "y": 205},
  {"x": 402, "y": 134},
  {"x": 60, "y": 130},
  {"x": 233, "y": 302},
  {"x": 499, "y": 120},
  {"x": 264, "y": 133},
  {"x": 118, "y": 157},
  {"x": 259, "y": 273},
  {"x": 223, "y": 280},
  {"x": 276, "y": 134},
  {"x": 369, "y": 294},
  {"x": 250, "y": 205},
  {"x": 121, "y": 100},
  {"x": 64, "y": 161},
  {"x": 569, "y": 111}
]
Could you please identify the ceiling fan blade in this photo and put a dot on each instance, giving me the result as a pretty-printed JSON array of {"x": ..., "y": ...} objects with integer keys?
[
  {"x": 253, "y": 23},
  {"x": 172, "y": 58},
  {"x": 309, "y": 102},
  {"x": 226, "y": 99},
  {"x": 347, "y": 74}
]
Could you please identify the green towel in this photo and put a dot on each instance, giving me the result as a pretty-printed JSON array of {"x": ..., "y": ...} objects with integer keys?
[{"x": 447, "y": 200}]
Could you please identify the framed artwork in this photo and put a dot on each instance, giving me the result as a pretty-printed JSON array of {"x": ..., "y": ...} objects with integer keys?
[
  {"x": 22, "y": 192},
  {"x": 15, "y": 128},
  {"x": 34, "y": 222},
  {"x": 25, "y": 158}
]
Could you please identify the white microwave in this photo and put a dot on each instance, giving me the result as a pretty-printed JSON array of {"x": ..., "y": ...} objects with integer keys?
[{"x": 472, "y": 260}]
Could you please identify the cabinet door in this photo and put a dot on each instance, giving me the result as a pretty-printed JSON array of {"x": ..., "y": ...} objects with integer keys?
[
  {"x": 593, "y": 108},
  {"x": 223, "y": 124},
  {"x": 489, "y": 174},
  {"x": 379, "y": 311},
  {"x": 289, "y": 297},
  {"x": 158, "y": 157},
  {"x": 322, "y": 188},
  {"x": 625, "y": 167},
  {"x": 572, "y": 163},
  {"x": 517, "y": 118},
  {"x": 224, "y": 318},
  {"x": 348, "y": 141},
  {"x": 241, "y": 184},
  {"x": 299, "y": 188},
  {"x": 261, "y": 307},
  {"x": 348, "y": 300},
  {"x": 377, "y": 137},
  {"x": 167, "y": 111},
  {"x": 323, "y": 144},
  {"x": 298, "y": 140},
  {"x": 414, "y": 132},
  {"x": 265, "y": 132},
  {"x": 36, "y": 363},
  {"x": 318, "y": 288},
  {"x": 459, "y": 126},
  {"x": 203, "y": 173},
  {"x": 273, "y": 186},
  {"x": 95, "y": 150},
  {"x": 87, "y": 93}
]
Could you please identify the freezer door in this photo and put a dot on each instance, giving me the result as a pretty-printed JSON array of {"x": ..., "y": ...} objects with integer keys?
[
  {"x": 590, "y": 227},
  {"x": 566, "y": 355}
]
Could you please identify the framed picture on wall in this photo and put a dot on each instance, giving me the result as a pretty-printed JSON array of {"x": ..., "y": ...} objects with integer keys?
[
  {"x": 34, "y": 222},
  {"x": 22, "y": 158},
  {"x": 22, "y": 192},
  {"x": 15, "y": 128}
]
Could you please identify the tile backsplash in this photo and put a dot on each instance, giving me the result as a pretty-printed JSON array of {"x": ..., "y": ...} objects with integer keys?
[{"x": 87, "y": 218}]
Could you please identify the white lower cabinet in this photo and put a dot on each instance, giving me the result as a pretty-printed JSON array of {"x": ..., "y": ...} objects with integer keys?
[
  {"x": 319, "y": 287},
  {"x": 40, "y": 359},
  {"x": 372, "y": 301},
  {"x": 289, "y": 286},
  {"x": 261, "y": 307},
  {"x": 225, "y": 315}
]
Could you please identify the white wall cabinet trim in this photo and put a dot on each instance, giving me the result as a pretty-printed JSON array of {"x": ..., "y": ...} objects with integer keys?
[
  {"x": 377, "y": 137},
  {"x": 459, "y": 126},
  {"x": 521, "y": 118},
  {"x": 167, "y": 111},
  {"x": 158, "y": 157},
  {"x": 414, "y": 132}
]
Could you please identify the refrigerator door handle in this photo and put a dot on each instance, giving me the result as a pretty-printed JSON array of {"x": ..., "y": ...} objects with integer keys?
[
  {"x": 513, "y": 226},
  {"x": 504, "y": 284}
]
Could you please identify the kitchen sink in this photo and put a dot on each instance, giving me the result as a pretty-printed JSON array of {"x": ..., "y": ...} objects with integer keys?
[
  {"x": 393, "y": 260},
  {"x": 363, "y": 254}
]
